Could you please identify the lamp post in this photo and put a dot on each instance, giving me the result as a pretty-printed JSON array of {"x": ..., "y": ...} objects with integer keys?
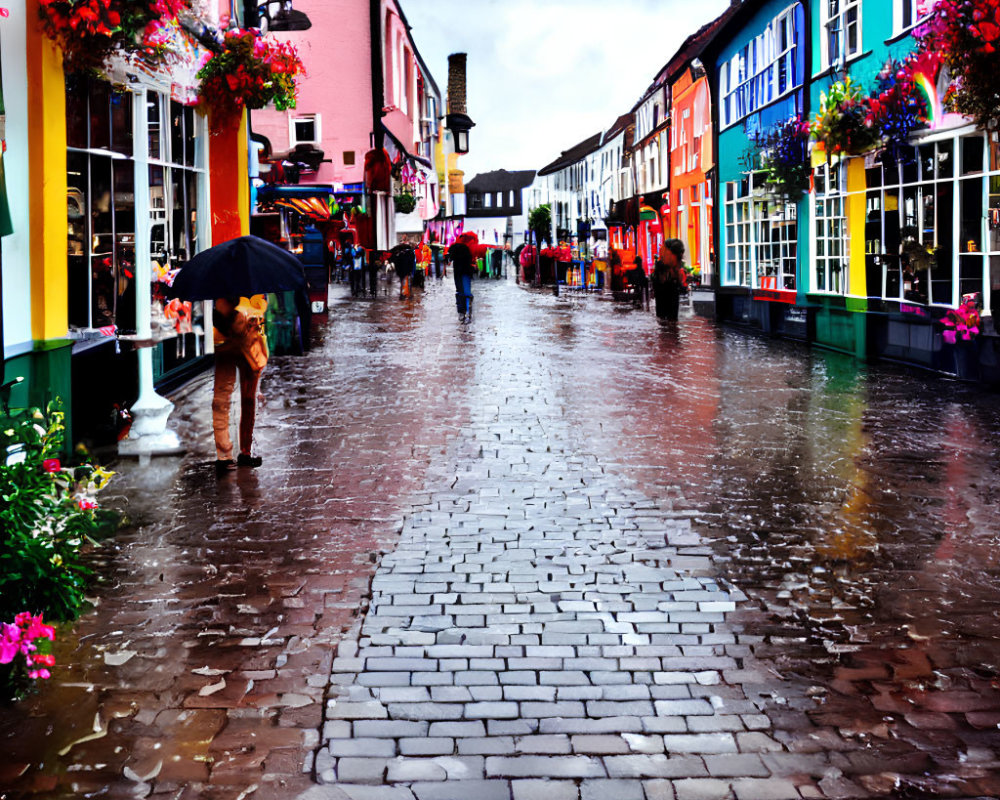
[{"x": 459, "y": 124}]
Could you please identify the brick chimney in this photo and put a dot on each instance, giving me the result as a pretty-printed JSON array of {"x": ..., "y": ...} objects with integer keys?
[{"x": 456, "y": 83}]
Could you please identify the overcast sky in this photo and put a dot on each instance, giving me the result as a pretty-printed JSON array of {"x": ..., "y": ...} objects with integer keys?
[{"x": 546, "y": 74}]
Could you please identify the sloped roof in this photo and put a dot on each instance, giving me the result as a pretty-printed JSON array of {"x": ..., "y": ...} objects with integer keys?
[
  {"x": 574, "y": 154},
  {"x": 500, "y": 180},
  {"x": 618, "y": 126}
]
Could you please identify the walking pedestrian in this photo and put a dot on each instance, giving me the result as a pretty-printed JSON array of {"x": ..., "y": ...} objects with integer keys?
[
  {"x": 460, "y": 254},
  {"x": 404, "y": 263},
  {"x": 669, "y": 279},
  {"x": 639, "y": 282},
  {"x": 356, "y": 259},
  {"x": 240, "y": 350}
]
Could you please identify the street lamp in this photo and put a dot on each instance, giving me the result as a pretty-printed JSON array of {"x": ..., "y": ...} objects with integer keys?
[{"x": 459, "y": 125}]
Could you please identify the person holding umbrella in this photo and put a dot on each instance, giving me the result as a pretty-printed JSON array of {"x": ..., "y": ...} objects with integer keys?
[
  {"x": 404, "y": 262},
  {"x": 240, "y": 349},
  {"x": 241, "y": 267}
]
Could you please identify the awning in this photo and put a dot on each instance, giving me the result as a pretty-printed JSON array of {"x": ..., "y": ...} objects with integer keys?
[{"x": 398, "y": 152}]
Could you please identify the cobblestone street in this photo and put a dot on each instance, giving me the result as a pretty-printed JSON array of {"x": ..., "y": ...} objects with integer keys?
[{"x": 559, "y": 553}]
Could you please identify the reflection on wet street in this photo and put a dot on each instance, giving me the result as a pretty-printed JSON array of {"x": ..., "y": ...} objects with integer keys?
[{"x": 857, "y": 508}]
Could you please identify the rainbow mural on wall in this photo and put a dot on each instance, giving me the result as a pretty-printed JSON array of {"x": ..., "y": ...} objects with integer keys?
[{"x": 932, "y": 82}]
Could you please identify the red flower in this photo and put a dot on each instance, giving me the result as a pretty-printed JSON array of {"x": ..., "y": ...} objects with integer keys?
[
  {"x": 87, "y": 504},
  {"x": 51, "y": 465}
]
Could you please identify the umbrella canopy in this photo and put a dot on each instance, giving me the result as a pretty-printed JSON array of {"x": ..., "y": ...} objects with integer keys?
[{"x": 241, "y": 267}]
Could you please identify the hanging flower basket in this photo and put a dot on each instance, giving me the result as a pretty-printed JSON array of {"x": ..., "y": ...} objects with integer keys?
[
  {"x": 965, "y": 36},
  {"x": 405, "y": 201},
  {"x": 840, "y": 125},
  {"x": 785, "y": 158},
  {"x": 896, "y": 107},
  {"x": 88, "y": 31},
  {"x": 251, "y": 72}
]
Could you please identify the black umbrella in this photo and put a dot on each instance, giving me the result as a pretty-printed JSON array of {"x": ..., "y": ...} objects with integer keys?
[{"x": 240, "y": 267}]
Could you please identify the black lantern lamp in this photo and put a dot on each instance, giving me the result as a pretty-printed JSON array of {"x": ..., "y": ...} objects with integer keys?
[{"x": 459, "y": 125}]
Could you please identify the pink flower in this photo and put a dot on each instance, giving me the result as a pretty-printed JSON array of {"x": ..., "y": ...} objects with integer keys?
[
  {"x": 87, "y": 504},
  {"x": 51, "y": 465}
]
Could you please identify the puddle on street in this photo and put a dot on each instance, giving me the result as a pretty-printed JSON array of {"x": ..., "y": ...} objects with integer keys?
[{"x": 858, "y": 508}]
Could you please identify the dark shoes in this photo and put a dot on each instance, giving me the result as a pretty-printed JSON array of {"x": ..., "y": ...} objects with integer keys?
[
  {"x": 248, "y": 461},
  {"x": 224, "y": 465}
]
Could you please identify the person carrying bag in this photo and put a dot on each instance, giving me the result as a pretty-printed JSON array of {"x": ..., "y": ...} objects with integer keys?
[{"x": 240, "y": 350}]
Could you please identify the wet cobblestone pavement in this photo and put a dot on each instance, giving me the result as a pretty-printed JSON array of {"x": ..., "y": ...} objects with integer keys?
[{"x": 561, "y": 552}]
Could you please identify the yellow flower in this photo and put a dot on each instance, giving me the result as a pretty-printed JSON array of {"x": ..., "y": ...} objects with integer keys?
[
  {"x": 101, "y": 477},
  {"x": 56, "y": 560}
]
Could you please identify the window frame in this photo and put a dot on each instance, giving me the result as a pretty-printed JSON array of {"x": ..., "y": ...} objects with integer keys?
[
  {"x": 758, "y": 62},
  {"x": 746, "y": 248},
  {"x": 317, "y": 121},
  {"x": 843, "y": 57},
  {"x": 837, "y": 202}
]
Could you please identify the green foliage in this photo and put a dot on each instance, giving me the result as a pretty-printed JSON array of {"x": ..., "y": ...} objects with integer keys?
[
  {"x": 841, "y": 123},
  {"x": 47, "y": 515},
  {"x": 405, "y": 201},
  {"x": 785, "y": 158},
  {"x": 540, "y": 223}
]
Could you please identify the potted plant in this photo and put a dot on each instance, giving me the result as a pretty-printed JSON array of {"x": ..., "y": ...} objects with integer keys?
[
  {"x": 840, "y": 126},
  {"x": 250, "y": 72},
  {"x": 88, "y": 31},
  {"x": 405, "y": 201},
  {"x": 784, "y": 156}
]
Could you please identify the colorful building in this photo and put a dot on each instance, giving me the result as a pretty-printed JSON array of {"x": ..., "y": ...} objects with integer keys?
[
  {"x": 367, "y": 86},
  {"x": 760, "y": 81},
  {"x": 114, "y": 178}
]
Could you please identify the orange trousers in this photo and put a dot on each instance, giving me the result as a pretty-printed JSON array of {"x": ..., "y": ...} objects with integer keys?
[{"x": 226, "y": 369}]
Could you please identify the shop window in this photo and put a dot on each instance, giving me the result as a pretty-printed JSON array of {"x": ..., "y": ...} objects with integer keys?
[
  {"x": 349, "y": 158},
  {"x": 738, "y": 232},
  {"x": 100, "y": 205},
  {"x": 972, "y": 154},
  {"x": 776, "y": 233},
  {"x": 175, "y": 178},
  {"x": 831, "y": 259},
  {"x": 761, "y": 236}
]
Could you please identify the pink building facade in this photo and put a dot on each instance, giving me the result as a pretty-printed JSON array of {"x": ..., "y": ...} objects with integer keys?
[{"x": 345, "y": 105}]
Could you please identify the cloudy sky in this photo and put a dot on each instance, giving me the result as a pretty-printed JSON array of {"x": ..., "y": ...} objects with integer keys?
[{"x": 546, "y": 74}]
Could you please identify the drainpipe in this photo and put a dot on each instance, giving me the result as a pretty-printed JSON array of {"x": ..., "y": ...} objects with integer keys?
[{"x": 378, "y": 101}]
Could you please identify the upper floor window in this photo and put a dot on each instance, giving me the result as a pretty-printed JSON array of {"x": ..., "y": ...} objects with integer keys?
[
  {"x": 304, "y": 130},
  {"x": 905, "y": 15},
  {"x": 764, "y": 69},
  {"x": 842, "y": 28}
]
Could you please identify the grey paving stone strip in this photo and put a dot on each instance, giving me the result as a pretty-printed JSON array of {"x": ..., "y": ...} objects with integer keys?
[{"x": 542, "y": 630}]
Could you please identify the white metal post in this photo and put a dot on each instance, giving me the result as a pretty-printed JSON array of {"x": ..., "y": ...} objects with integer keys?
[{"x": 149, "y": 434}]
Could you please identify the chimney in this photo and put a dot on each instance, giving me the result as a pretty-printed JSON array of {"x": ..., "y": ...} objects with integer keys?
[{"x": 456, "y": 83}]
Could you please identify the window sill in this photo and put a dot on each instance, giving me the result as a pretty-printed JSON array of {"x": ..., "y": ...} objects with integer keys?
[
  {"x": 905, "y": 32},
  {"x": 832, "y": 69}
]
